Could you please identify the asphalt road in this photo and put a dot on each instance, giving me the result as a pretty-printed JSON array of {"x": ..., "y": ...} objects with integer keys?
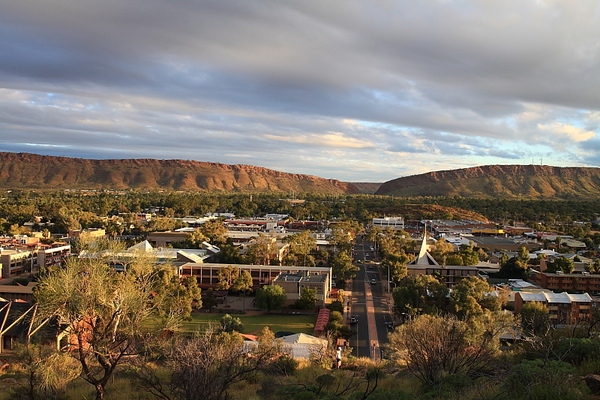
[{"x": 362, "y": 287}]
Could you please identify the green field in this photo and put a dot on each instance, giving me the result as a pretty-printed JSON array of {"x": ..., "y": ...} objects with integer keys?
[{"x": 254, "y": 323}]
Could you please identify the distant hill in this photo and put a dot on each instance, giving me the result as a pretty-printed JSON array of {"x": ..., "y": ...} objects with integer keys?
[
  {"x": 32, "y": 171},
  {"x": 501, "y": 181},
  {"x": 367, "y": 187}
]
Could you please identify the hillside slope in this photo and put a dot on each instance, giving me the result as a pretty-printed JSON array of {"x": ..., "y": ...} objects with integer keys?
[
  {"x": 500, "y": 181},
  {"x": 31, "y": 171}
]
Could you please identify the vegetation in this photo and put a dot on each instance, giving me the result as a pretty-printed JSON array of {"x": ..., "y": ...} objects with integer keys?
[
  {"x": 448, "y": 347},
  {"x": 105, "y": 310}
]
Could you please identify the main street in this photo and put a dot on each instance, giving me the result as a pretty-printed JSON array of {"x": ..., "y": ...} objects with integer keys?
[{"x": 369, "y": 304}]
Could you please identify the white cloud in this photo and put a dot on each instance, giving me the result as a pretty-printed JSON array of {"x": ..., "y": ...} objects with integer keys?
[{"x": 570, "y": 132}]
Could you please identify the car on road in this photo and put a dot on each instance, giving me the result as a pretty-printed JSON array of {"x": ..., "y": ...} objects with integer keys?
[
  {"x": 373, "y": 281},
  {"x": 354, "y": 319}
]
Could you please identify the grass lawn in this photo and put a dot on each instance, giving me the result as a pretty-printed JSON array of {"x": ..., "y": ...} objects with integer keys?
[{"x": 254, "y": 323}]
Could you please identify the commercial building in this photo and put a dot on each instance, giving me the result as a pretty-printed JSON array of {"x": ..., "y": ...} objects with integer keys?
[{"x": 389, "y": 222}]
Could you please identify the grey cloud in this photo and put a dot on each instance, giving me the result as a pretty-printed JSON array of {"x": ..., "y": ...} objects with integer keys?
[{"x": 235, "y": 77}]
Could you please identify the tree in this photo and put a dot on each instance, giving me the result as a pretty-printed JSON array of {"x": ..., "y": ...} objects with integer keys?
[
  {"x": 270, "y": 297},
  {"x": 442, "y": 249},
  {"x": 307, "y": 299},
  {"x": 396, "y": 264},
  {"x": 435, "y": 347},
  {"x": 230, "y": 324},
  {"x": 343, "y": 234},
  {"x": 205, "y": 366},
  {"x": 472, "y": 295},
  {"x": 104, "y": 310},
  {"x": 421, "y": 294},
  {"x": 561, "y": 264},
  {"x": 215, "y": 231},
  {"x": 300, "y": 246},
  {"x": 227, "y": 276},
  {"x": 194, "y": 239},
  {"x": 261, "y": 250},
  {"x": 177, "y": 295},
  {"x": 46, "y": 371},
  {"x": 535, "y": 319},
  {"x": 513, "y": 268},
  {"x": 243, "y": 284},
  {"x": 394, "y": 241},
  {"x": 209, "y": 300},
  {"x": 342, "y": 267}
]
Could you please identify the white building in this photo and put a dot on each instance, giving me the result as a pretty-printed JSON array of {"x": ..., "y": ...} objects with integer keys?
[{"x": 389, "y": 222}]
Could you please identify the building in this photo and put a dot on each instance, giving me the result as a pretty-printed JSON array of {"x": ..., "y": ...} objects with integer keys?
[
  {"x": 49, "y": 255},
  {"x": 450, "y": 275},
  {"x": 389, "y": 222},
  {"x": 163, "y": 239},
  {"x": 16, "y": 262},
  {"x": 295, "y": 283},
  {"x": 563, "y": 308},
  {"x": 583, "y": 282},
  {"x": 92, "y": 232},
  {"x": 18, "y": 293},
  {"x": 207, "y": 273}
]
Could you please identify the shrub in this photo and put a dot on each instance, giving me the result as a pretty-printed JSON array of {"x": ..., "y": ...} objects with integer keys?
[{"x": 539, "y": 380}]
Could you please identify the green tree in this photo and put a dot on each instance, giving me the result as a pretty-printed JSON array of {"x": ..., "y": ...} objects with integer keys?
[
  {"x": 261, "y": 250},
  {"x": 342, "y": 267},
  {"x": 215, "y": 231},
  {"x": 176, "y": 296},
  {"x": 230, "y": 324},
  {"x": 395, "y": 263},
  {"x": 442, "y": 249},
  {"x": 104, "y": 310},
  {"x": 243, "y": 285},
  {"x": 561, "y": 264},
  {"x": 270, "y": 297},
  {"x": 421, "y": 294},
  {"x": 472, "y": 295},
  {"x": 307, "y": 299},
  {"x": 209, "y": 300},
  {"x": 535, "y": 318},
  {"x": 513, "y": 268},
  {"x": 45, "y": 371},
  {"x": 300, "y": 247}
]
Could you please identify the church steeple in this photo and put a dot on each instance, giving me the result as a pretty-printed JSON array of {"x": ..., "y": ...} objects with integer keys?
[{"x": 424, "y": 258}]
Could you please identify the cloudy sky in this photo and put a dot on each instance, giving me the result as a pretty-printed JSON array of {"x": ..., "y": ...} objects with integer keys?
[{"x": 351, "y": 90}]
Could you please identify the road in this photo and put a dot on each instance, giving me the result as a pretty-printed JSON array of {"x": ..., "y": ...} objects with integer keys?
[{"x": 369, "y": 304}]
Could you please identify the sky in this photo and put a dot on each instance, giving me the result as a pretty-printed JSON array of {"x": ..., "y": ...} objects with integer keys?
[{"x": 360, "y": 91}]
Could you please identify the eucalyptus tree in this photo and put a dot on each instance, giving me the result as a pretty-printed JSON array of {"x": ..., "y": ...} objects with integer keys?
[{"x": 106, "y": 312}]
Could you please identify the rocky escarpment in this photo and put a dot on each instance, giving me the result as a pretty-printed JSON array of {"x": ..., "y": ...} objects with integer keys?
[
  {"x": 32, "y": 171},
  {"x": 500, "y": 181}
]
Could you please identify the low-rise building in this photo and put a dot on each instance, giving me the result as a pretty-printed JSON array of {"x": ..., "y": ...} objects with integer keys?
[
  {"x": 17, "y": 261},
  {"x": 563, "y": 308},
  {"x": 389, "y": 222},
  {"x": 207, "y": 274},
  {"x": 582, "y": 282},
  {"x": 295, "y": 283}
]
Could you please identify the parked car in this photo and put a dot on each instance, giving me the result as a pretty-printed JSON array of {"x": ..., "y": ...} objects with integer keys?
[
  {"x": 354, "y": 319},
  {"x": 373, "y": 281}
]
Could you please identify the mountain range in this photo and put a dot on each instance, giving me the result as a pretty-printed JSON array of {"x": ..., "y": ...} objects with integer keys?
[{"x": 32, "y": 171}]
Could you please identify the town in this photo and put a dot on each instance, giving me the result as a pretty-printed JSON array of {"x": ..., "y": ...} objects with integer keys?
[{"x": 359, "y": 285}]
